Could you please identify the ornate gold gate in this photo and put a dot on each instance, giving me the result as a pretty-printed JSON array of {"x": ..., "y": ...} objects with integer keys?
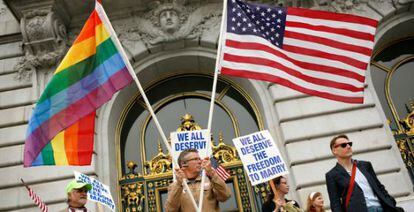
[{"x": 146, "y": 192}]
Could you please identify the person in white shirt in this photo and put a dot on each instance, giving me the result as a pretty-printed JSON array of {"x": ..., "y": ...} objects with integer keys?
[{"x": 368, "y": 194}]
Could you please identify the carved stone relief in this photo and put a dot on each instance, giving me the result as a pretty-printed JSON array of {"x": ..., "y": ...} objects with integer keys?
[
  {"x": 2, "y": 11},
  {"x": 44, "y": 41},
  {"x": 344, "y": 6},
  {"x": 405, "y": 1},
  {"x": 166, "y": 22}
]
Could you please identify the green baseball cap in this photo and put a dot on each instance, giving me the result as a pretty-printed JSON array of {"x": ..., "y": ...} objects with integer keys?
[{"x": 76, "y": 185}]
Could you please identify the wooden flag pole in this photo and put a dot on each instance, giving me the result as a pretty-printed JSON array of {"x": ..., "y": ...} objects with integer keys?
[{"x": 25, "y": 185}]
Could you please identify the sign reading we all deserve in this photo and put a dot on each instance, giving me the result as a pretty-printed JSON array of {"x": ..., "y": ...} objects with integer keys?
[
  {"x": 99, "y": 193},
  {"x": 197, "y": 139},
  {"x": 260, "y": 156}
]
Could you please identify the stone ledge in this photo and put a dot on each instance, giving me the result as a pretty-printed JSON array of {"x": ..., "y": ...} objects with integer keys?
[
  {"x": 9, "y": 50},
  {"x": 331, "y": 124},
  {"x": 318, "y": 149},
  {"x": 12, "y": 135},
  {"x": 10, "y": 82},
  {"x": 16, "y": 98},
  {"x": 15, "y": 116},
  {"x": 314, "y": 106}
]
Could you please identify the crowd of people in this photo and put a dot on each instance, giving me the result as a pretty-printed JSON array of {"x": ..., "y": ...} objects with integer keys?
[{"x": 352, "y": 186}]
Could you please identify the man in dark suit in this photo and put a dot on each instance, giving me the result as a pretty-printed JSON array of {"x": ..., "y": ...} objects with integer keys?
[{"x": 368, "y": 193}]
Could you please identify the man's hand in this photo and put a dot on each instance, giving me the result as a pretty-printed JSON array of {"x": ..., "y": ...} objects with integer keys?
[
  {"x": 206, "y": 164},
  {"x": 180, "y": 176}
]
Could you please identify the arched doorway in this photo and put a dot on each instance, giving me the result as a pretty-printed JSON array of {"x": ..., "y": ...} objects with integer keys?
[
  {"x": 146, "y": 168},
  {"x": 392, "y": 71}
]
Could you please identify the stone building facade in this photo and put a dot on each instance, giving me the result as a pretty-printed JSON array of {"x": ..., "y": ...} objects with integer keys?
[{"x": 172, "y": 47}]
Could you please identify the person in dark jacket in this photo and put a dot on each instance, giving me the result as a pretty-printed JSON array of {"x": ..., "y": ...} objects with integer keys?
[{"x": 368, "y": 193}]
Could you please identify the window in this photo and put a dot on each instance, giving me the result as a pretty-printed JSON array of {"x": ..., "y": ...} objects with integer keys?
[{"x": 392, "y": 71}]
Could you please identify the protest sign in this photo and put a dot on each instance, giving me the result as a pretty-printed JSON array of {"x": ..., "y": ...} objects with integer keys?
[
  {"x": 196, "y": 139},
  {"x": 260, "y": 156},
  {"x": 99, "y": 193}
]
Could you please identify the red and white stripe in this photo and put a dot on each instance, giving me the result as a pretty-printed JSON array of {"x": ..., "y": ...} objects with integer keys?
[
  {"x": 222, "y": 173},
  {"x": 324, "y": 54},
  {"x": 36, "y": 199}
]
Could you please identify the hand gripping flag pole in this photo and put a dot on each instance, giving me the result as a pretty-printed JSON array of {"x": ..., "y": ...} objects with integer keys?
[{"x": 105, "y": 19}]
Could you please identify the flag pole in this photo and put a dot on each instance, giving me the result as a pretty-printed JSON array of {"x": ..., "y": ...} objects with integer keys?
[
  {"x": 213, "y": 93},
  {"x": 36, "y": 199},
  {"x": 25, "y": 185},
  {"x": 105, "y": 19}
]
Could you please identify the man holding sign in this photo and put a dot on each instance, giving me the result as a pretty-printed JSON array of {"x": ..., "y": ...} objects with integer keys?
[
  {"x": 190, "y": 166},
  {"x": 99, "y": 192}
]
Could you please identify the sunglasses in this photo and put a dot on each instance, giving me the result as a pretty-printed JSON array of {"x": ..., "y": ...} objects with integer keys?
[{"x": 343, "y": 145}]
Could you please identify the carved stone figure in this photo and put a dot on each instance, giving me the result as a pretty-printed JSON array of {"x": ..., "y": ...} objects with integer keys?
[
  {"x": 174, "y": 21},
  {"x": 169, "y": 21}
]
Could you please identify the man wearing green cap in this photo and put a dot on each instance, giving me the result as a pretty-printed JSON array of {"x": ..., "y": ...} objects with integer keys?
[{"x": 77, "y": 196}]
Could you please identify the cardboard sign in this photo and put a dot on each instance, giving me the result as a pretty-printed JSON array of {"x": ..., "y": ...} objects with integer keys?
[
  {"x": 260, "y": 156},
  {"x": 99, "y": 193},
  {"x": 197, "y": 139}
]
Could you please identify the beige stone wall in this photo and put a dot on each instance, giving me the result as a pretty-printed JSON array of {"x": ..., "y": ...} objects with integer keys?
[{"x": 16, "y": 102}]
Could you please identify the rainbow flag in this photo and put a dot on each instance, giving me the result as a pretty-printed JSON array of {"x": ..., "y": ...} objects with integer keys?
[
  {"x": 73, "y": 146},
  {"x": 91, "y": 72}
]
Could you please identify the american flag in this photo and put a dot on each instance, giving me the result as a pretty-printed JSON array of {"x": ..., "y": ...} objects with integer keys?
[
  {"x": 36, "y": 199},
  {"x": 315, "y": 52},
  {"x": 219, "y": 169}
]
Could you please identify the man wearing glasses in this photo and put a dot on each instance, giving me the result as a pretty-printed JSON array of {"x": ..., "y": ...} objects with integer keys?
[
  {"x": 353, "y": 185},
  {"x": 215, "y": 189}
]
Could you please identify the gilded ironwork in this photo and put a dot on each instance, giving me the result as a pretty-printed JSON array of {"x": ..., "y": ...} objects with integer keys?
[
  {"x": 133, "y": 198},
  {"x": 243, "y": 188},
  {"x": 404, "y": 137},
  {"x": 408, "y": 122},
  {"x": 188, "y": 124},
  {"x": 224, "y": 153},
  {"x": 262, "y": 190},
  {"x": 160, "y": 164},
  {"x": 148, "y": 189}
]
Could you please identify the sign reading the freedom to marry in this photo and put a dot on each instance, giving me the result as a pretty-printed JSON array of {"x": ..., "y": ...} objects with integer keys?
[
  {"x": 99, "y": 193},
  {"x": 260, "y": 156},
  {"x": 197, "y": 139}
]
